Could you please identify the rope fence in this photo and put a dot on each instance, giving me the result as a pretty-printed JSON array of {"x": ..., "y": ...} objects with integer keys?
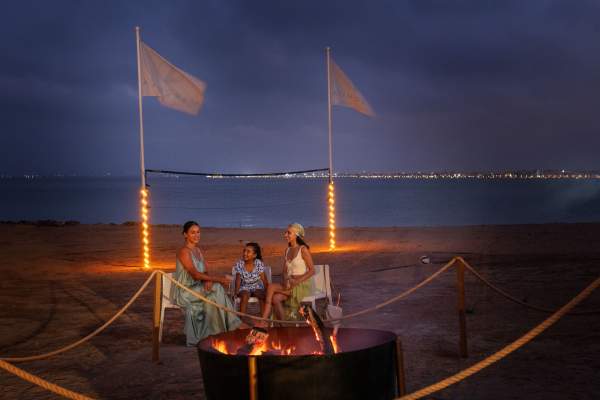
[
  {"x": 5, "y": 361},
  {"x": 346, "y": 317},
  {"x": 514, "y": 299},
  {"x": 36, "y": 380},
  {"x": 385, "y": 303},
  {"x": 506, "y": 350}
]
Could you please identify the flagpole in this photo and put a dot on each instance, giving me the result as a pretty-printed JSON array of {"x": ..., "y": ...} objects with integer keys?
[
  {"x": 139, "y": 71},
  {"x": 144, "y": 212},
  {"x": 331, "y": 189},
  {"x": 328, "y": 51},
  {"x": 143, "y": 189}
]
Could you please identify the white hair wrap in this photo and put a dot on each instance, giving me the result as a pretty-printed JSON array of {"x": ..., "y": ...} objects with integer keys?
[{"x": 298, "y": 229}]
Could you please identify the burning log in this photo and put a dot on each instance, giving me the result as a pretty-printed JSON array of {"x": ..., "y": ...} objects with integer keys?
[
  {"x": 255, "y": 341},
  {"x": 318, "y": 328}
]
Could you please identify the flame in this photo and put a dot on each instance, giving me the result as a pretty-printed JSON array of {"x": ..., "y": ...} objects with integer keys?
[
  {"x": 220, "y": 346},
  {"x": 317, "y": 337},
  {"x": 334, "y": 343},
  {"x": 258, "y": 350},
  {"x": 283, "y": 351},
  {"x": 270, "y": 346}
]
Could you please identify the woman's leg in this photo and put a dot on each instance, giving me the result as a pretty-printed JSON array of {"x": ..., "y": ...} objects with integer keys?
[
  {"x": 269, "y": 299},
  {"x": 278, "y": 300},
  {"x": 273, "y": 290}
]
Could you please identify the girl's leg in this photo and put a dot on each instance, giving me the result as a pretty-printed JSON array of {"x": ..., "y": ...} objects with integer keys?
[
  {"x": 261, "y": 295},
  {"x": 244, "y": 297},
  {"x": 261, "y": 304}
]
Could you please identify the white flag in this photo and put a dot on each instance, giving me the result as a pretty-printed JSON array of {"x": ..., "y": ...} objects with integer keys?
[
  {"x": 173, "y": 87},
  {"x": 343, "y": 92}
]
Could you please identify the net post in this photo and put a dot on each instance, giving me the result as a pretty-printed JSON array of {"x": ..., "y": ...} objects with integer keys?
[{"x": 462, "y": 318}]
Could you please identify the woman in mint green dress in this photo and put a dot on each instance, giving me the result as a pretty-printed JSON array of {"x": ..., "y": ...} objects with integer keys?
[{"x": 201, "y": 319}]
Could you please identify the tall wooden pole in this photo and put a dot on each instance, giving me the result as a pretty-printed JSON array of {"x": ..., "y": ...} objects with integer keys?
[
  {"x": 143, "y": 190},
  {"x": 139, "y": 71},
  {"x": 330, "y": 187},
  {"x": 327, "y": 52},
  {"x": 144, "y": 212}
]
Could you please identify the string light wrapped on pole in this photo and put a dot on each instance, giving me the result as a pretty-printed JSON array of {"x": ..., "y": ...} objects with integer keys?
[
  {"x": 143, "y": 190},
  {"x": 145, "y": 227},
  {"x": 331, "y": 200}
]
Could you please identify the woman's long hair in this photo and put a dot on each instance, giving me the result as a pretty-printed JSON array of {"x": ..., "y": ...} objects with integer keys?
[
  {"x": 300, "y": 242},
  {"x": 256, "y": 249}
]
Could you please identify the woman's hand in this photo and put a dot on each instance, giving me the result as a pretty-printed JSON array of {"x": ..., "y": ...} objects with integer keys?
[
  {"x": 208, "y": 285},
  {"x": 226, "y": 280},
  {"x": 290, "y": 283}
]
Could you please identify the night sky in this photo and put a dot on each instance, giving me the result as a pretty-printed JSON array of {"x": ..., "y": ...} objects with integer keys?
[{"x": 462, "y": 85}]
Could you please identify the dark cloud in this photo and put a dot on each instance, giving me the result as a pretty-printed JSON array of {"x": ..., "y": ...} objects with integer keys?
[{"x": 456, "y": 85}]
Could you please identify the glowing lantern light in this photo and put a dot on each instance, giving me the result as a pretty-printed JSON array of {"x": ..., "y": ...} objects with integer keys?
[
  {"x": 331, "y": 200},
  {"x": 145, "y": 227}
]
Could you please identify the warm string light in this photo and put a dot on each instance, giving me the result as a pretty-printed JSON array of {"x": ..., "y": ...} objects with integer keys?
[
  {"x": 331, "y": 199},
  {"x": 145, "y": 227}
]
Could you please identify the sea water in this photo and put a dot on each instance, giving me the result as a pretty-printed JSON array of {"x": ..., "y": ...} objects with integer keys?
[{"x": 274, "y": 202}]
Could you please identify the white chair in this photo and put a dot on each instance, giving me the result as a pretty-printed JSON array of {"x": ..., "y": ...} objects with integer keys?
[
  {"x": 322, "y": 286},
  {"x": 165, "y": 301},
  {"x": 251, "y": 299}
]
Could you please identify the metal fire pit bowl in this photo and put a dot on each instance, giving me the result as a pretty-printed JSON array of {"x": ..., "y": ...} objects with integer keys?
[{"x": 365, "y": 368}]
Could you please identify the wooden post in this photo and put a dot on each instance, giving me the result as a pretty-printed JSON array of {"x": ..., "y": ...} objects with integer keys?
[
  {"x": 156, "y": 316},
  {"x": 462, "y": 318},
  {"x": 252, "y": 378},
  {"x": 400, "y": 376}
]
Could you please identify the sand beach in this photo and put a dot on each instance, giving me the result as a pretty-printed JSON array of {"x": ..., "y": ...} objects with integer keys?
[{"x": 61, "y": 282}]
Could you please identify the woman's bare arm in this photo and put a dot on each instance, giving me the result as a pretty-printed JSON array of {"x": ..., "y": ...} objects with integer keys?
[
  {"x": 265, "y": 281},
  {"x": 185, "y": 257},
  {"x": 284, "y": 271}
]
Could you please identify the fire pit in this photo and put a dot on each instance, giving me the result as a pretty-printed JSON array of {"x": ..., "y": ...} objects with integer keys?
[{"x": 291, "y": 365}]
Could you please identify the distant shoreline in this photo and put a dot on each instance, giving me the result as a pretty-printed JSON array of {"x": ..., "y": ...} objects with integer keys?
[
  {"x": 61, "y": 223},
  {"x": 508, "y": 174}
]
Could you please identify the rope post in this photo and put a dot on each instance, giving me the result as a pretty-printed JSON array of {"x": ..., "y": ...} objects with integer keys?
[
  {"x": 156, "y": 317},
  {"x": 400, "y": 375},
  {"x": 462, "y": 317},
  {"x": 252, "y": 378}
]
